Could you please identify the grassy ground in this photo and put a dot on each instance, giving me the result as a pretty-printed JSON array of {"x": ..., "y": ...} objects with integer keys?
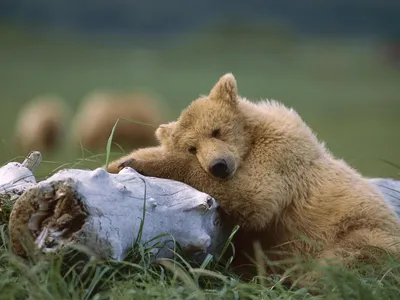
[
  {"x": 69, "y": 276},
  {"x": 343, "y": 90}
]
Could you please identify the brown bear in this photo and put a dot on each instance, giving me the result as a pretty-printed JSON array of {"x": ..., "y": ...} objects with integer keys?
[
  {"x": 270, "y": 175},
  {"x": 99, "y": 111},
  {"x": 41, "y": 124}
]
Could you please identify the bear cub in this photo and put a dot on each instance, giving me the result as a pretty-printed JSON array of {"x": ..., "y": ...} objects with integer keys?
[{"x": 273, "y": 177}]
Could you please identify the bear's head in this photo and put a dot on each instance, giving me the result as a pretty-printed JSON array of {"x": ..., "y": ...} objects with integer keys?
[{"x": 211, "y": 131}]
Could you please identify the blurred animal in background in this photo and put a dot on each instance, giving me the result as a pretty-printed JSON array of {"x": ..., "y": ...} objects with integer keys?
[
  {"x": 41, "y": 124},
  {"x": 139, "y": 115}
]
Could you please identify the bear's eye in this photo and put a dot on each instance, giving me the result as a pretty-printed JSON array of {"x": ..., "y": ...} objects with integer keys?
[
  {"x": 192, "y": 150},
  {"x": 216, "y": 133}
]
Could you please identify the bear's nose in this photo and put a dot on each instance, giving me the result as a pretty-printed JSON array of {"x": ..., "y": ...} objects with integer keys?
[{"x": 219, "y": 168}]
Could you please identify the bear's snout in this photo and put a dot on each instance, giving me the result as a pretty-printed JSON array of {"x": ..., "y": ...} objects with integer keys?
[{"x": 222, "y": 168}]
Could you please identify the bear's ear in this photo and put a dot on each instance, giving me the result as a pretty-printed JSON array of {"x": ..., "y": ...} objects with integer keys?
[
  {"x": 225, "y": 90},
  {"x": 164, "y": 131}
]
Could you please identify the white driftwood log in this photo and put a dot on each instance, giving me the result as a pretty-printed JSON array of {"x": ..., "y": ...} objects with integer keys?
[
  {"x": 16, "y": 177},
  {"x": 103, "y": 211}
]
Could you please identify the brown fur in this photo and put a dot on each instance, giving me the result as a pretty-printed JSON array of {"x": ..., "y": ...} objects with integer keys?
[
  {"x": 97, "y": 116},
  {"x": 284, "y": 183},
  {"x": 41, "y": 124}
]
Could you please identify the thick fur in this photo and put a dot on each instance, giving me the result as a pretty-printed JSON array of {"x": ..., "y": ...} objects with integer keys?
[
  {"x": 286, "y": 190},
  {"x": 93, "y": 124}
]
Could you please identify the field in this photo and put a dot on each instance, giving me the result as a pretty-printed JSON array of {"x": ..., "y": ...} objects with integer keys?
[{"x": 345, "y": 90}]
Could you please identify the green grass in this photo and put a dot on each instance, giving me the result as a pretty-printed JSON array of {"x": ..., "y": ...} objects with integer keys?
[{"x": 72, "y": 275}]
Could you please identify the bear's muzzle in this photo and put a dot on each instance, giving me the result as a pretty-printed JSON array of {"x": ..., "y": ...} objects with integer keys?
[{"x": 222, "y": 167}]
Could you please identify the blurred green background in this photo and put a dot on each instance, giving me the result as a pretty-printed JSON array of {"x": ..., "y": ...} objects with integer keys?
[{"x": 346, "y": 87}]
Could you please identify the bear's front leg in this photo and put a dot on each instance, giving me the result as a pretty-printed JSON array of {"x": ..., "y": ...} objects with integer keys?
[
  {"x": 145, "y": 154},
  {"x": 248, "y": 216},
  {"x": 260, "y": 204},
  {"x": 152, "y": 161}
]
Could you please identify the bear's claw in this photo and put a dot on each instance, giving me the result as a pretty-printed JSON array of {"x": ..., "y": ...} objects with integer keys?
[
  {"x": 126, "y": 163},
  {"x": 130, "y": 163}
]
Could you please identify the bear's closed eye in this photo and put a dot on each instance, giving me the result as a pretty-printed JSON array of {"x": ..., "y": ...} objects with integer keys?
[{"x": 192, "y": 150}]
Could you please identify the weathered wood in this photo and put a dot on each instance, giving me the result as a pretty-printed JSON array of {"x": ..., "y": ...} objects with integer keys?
[
  {"x": 103, "y": 211},
  {"x": 15, "y": 178}
]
